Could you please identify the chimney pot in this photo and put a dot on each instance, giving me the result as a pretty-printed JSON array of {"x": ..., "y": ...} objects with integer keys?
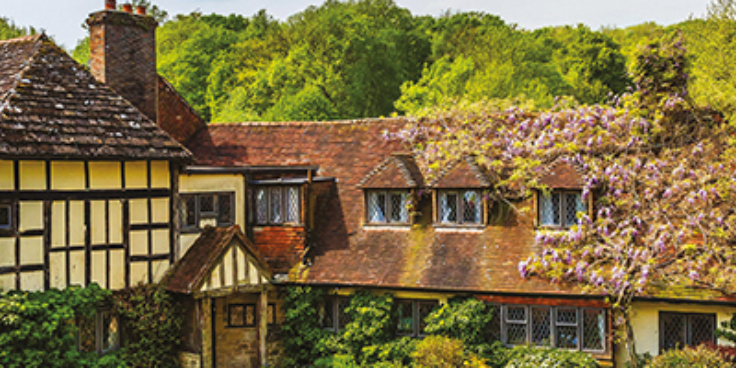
[
  {"x": 128, "y": 8},
  {"x": 110, "y": 4},
  {"x": 140, "y": 10}
]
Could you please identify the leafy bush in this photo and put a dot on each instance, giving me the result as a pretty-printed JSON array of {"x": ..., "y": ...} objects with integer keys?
[
  {"x": 700, "y": 357},
  {"x": 395, "y": 352},
  {"x": 371, "y": 322},
  {"x": 531, "y": 357},
  {"x": 37, "y": 329},
  {"x": 439, "y": 351},
  {"x": 303, "y": 334},
  {"x": 727, "y": 353},
  {"x": 153, "y": 324},
  {"x": 337, "y": 361},
  {"x": 466, "y": 320}
]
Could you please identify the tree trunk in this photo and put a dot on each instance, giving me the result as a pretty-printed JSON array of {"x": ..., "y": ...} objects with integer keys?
[{"x": 630, "y": 342}]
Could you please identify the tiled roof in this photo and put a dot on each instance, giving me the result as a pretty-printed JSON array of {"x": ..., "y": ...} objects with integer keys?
[
  {"x": 50, "y": 106},
  {"x": 463, "y": 173},
  {"x": 397, "y": 171},
  {"x": 189, "y": 272},
  {"x": 562, "y": 174},
  {"x": 344, "y": 251}
]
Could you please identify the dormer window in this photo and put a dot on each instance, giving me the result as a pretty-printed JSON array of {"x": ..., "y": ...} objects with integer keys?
[
  {"x": 462, "y": 207},
  {"x": 388, "y": 206},
  {"x": 276, "y": 205},
  {"x": 560, "y": 208}
]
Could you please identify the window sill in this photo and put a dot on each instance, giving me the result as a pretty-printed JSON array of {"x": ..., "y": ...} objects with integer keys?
[
  {"x": 387, "y": 226},
  {"x": 459, "y": 227},
  {"x": 261, "y": 227}
]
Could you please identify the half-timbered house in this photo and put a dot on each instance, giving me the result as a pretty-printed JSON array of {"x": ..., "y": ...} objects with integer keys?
[{"x": 108, "y": 176}]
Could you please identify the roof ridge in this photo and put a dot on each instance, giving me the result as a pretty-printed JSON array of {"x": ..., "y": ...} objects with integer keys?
[
  {"x": 33, "y": 37},
  {"x": 37, "y": 38},
  {"x": 306, "y": 123}
]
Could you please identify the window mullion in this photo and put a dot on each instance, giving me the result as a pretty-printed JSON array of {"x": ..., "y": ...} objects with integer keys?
[
  {"x": 387, "y": 205},
  {"x": 553, "y": 327},
  {"x": 502, "y": 315},
  {"x": 529, "y": 324}
]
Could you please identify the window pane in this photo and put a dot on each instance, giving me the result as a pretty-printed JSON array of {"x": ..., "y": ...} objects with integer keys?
[
  {"x": 702, "y": 329},
  {"x": 224, "y": 209},
  {"x": 541, "y": 326},
  {"x": 236, "y": 315},
  {"x": 448, "y": 207},
  {"x": 516, "y": 326},
  {"x": 275, "y": 206},
  {"x": 377, "y": 207},
  {"x": 189, "y": 211},
  {"x": 261, "y": 206},
  {"x": 206, "y": 204},
  {"x": 328, "y": 314},
  {"x": 573, "y": 204},
  {"x": 405, "y": 317},
  {"x": 673, "y": 334},
  {"x": 5, "y": 220},
  {"x": 594, "y": 327},
  {"x": 250, "y": 315},
  {"x": 425, "y": 309},
  {"x": 471, "y": 207},
  {"x": 399, "y": 212},
  {"x": 495, "y": 324},
  {"x": 342, "y": 316},
  {"x": 86, "y": 325},
  {"x": 567, "y": 329},
  {"x": 549, "y": 207},
  {"x": 110, "y": 332},
  {"x": 292, "y": 204}
]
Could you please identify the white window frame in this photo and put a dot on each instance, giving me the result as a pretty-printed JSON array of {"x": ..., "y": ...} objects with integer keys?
[
  {"x": 443, "y": 208},
  {"x": 282, "y": 193},
  {"x": 387, "y": 217},
  {"x": 545, "y": 198}
]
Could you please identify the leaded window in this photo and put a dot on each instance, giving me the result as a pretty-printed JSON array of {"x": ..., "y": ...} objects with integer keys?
[
  {"x": 460, "y": 207},
  {"x": 333, "y": 315},
  {"x": 196, "y": 207},
  {"x": 411, "y": 315},
  {"x": 677, "y": 330},
  {"x": 388, "y": 206},
  {"x": 560, "y": 327},
  {"x": 99, "y": 332},
  {"x": 276, "y": 205},
  {"x": 560, "y": 208}
]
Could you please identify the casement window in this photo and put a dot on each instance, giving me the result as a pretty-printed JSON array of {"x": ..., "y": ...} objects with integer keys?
[
  {"x": 561, "y": 327},
  {"x": 560, "y": 208},
  {"x": 241, "y": 315},
  {"x": 99, "y": 333},
  {"x": 6, "y": 216},
  {"x": 332, "y": 315},
  {"x": 275, "y": 205},
  {"x": 388, "y": 206},
  {"x": 677, "y": 330},
  {"x": 218, "y": 207},
  {"x": 411, "y": 315},
  {"x": 460, "y": 207}
]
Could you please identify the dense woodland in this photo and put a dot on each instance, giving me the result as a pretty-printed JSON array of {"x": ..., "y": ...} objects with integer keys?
[{"x": 371, "y": 58}]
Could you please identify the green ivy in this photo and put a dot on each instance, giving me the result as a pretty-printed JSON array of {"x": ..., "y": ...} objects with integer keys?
[
  {"x": 153, "y": 324},
  {"x": 303, "y": 335},
  {"x": 467, "y": 320},
  {"x": 371, "y": 322},
  {"x": 37, "y": 329}
]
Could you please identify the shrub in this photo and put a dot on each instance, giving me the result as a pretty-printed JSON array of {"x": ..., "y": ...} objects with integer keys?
[
  {"x": 439, "y": 351},
  {"x": 531, "y": 357},
  {"x": 153, "y": 323},
  {"x": 700, "y": 357},
  {"x": 727, "y": 353},
  {"x": 37, "y": 329},
  {"x": 395, "y": 352},
  {"x": 301, "y": 328},
  {"x": 467, "y": 320},
  {"x": 371, "y": 322},
  {"x": 336, "y": 361}
]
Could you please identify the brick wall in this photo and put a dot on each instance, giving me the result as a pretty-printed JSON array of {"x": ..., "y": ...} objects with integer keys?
[{"x": 123, "y": 56}]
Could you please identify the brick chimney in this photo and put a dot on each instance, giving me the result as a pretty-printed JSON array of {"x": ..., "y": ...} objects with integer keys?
[{"x": 123, "y": 54}]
